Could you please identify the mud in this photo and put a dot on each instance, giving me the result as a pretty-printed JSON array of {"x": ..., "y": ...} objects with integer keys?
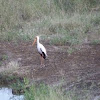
[{"x": 82, "y": 66}]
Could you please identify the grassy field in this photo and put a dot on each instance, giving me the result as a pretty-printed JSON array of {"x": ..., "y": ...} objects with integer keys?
[{"x": 78, "y": 22}]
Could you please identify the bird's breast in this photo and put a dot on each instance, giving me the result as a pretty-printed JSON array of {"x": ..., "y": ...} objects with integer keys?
[{"x": 38, "y": 48}]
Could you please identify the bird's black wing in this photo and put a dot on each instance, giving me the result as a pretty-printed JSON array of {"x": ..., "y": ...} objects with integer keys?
[{"x": 43, "y": 54}]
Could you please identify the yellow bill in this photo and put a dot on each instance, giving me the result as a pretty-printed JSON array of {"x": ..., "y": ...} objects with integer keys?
[{"x": 34, "y": 42}]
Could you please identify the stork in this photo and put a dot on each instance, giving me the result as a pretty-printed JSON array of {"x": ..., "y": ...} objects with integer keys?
[{"x": 41, "y": 50}]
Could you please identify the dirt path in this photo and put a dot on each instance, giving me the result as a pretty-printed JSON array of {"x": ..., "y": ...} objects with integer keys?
[{"x": 23, "y": 60}]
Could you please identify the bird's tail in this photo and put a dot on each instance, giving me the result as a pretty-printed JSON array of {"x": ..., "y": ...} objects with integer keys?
[{"x": 44, "y": 55}]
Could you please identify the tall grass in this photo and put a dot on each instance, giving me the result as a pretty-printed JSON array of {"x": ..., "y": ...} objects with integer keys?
[
  {"x": 46, "y": 92},
  {"x": 62, "y": 21}
]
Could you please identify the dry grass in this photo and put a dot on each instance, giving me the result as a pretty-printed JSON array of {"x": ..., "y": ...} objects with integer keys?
[
  {"x": 9, "y": 68},
  {"x": 25, "y": 19}
]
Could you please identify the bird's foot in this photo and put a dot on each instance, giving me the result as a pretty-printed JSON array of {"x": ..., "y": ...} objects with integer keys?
[{"x": 42, "y": 65}]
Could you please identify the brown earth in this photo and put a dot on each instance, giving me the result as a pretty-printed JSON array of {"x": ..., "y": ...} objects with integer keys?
[{"x": 82, "y": 66}]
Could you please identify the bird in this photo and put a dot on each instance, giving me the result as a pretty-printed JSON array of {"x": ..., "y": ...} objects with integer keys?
[{"x": 41, "y": 50}]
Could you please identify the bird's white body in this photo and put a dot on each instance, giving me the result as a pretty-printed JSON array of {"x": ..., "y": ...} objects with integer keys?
[{"x": 41, "y": 49}]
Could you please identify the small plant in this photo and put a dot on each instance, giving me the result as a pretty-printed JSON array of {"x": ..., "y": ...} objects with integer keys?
[
  {"x": 70, "y": 50},
  {"x": 4, "y": 57},
  {"x": 58, "y": 40},
  {"x": 96, "y": 20},
  {"x": 95, "y": 41}
]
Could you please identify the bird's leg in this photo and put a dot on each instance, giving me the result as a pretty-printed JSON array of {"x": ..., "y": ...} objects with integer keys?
[
  {"x": 42, "y": 61},
  {"x": 41, "y": 58}
]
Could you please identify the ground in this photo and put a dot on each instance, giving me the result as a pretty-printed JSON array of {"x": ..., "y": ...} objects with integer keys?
[{"x": 78, "y": 68}]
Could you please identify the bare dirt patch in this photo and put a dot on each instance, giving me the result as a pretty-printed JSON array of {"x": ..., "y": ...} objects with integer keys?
[{"x": 81, "y": 66}]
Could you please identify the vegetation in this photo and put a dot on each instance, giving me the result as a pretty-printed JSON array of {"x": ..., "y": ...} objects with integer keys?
[
  {"x": 42, "y": 91},
  {"x": 62, "y": 21},
  {"x": 46, "y": 92}
]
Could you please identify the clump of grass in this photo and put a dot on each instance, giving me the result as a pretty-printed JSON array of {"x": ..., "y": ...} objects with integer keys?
[
  {"x": 10, "y": 67},
  {"x": 96, "y": 42},
  {"x": 4, "y": 57},
  {"x": 96, "y": 19},
  {"x": 70, "y": 50},
  {"x": 7, "y": 80}
]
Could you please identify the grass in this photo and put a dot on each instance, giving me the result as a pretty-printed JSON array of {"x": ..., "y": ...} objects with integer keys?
[
  {"x": 4, "y": 57},
  {"x": 23, "y": 20},
  {"x": 46, "y": 92},
  {"x": 74, "y": 29},
  {"x": 7, "y": 80},
  {"x": 59, "y": 21},
  {"x": 42, "y": 91},
  {"x": 10, "y": 67},
  {"x": 96, "y": 42}
]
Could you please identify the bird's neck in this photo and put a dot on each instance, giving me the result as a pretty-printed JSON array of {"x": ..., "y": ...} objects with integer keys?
[{"x": 37, "y": 41}]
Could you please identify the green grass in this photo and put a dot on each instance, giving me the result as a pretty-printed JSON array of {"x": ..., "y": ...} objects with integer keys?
[
  {"x": 73, "y": 29},
  {"x": 96, "y": 42},
  {"x": 45, "y": 92},
  {"x": 62, "y": 21},
  {"x": 4, "y": 57}
]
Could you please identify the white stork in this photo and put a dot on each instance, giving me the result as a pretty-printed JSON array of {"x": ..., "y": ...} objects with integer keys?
[{"x": 41, "y": 49}]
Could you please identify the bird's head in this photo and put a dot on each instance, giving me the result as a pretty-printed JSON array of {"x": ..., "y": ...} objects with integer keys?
[{"x": 36, "y": 38}]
